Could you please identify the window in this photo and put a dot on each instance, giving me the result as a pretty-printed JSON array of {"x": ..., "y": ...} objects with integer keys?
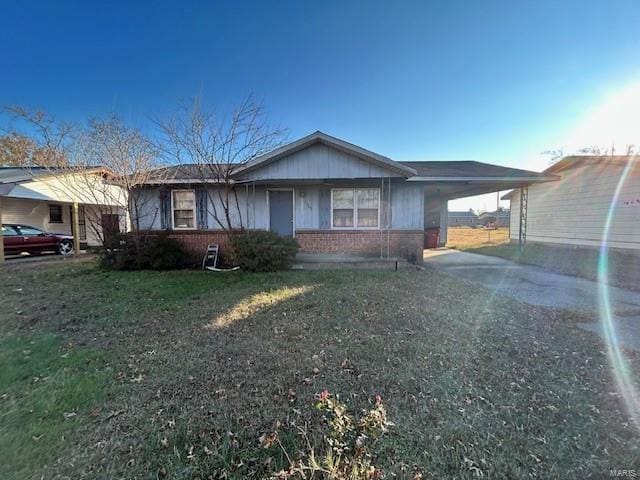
[
  {"x": 342, "y": 208},
  {"x": 355, "y": 208},
  {"x": 30, "y": 231},
  {"x": 8, "y": 231},
  {"x": 183, "y": 205},
  {"x": 368, "y": 201},
  {"x": 55, "y": 213}
]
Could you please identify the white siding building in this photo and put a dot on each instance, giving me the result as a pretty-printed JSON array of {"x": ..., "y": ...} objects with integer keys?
[
  {"x": 43, "y": 198},
  {"x": 574, "y": 209}
]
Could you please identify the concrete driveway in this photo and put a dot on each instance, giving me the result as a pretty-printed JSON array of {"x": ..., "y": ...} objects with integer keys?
[{"x": 536, "y": 286}]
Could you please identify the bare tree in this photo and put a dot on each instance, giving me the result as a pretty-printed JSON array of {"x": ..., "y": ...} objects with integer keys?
[
  {"x": 593, "y": 150},
  {"x": 214, "y": 147},
  {"x": 101, "y": 165},
  {"x": 131, "y": 159}
]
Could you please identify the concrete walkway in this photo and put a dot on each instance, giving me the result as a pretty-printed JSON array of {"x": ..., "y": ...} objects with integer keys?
[{"x": 536, "y": 286}]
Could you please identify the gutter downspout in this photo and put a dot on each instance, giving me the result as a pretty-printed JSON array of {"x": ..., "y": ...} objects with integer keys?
[
  {"x": 1, "y": 239},
  {"x": 389, "y": 219},
  {"x": 381, "y": 201}
]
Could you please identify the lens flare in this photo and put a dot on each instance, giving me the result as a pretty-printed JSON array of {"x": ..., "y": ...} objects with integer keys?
[{"x": 622, "y": 373}]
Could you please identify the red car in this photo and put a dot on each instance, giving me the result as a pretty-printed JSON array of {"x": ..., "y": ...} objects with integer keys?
[{"x": 23, "y": 238}]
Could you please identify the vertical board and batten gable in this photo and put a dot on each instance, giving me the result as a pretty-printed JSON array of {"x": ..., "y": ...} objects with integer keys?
[
  {"x": 318, "y": 162},
  {"x": 574, "y": 210}
]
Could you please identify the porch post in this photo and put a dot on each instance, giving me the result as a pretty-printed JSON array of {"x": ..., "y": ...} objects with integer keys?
[
  {"x": 76, "y": 230},
  {"x": 1, "y": 239}
]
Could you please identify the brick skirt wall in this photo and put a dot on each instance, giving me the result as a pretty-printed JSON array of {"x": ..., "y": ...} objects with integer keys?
[
  {"x": 402, "y": 243},
  {"x": 196, "y": 241}
]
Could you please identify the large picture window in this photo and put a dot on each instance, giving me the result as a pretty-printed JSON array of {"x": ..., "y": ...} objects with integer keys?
[
  {"x": 355, "y": 208},
  {"x": 183, "y": 206}
]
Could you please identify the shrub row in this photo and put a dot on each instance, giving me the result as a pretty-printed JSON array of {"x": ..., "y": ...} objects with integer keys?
[{"x": 256, "y": 251}]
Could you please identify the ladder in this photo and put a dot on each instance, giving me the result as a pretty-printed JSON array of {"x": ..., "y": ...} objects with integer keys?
[{"x": 210, "y": 260}]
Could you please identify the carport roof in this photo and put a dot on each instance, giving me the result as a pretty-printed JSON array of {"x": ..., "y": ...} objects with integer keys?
[
  {"x": 464, "y": 178},
  {"x": 470, "y": 170}
]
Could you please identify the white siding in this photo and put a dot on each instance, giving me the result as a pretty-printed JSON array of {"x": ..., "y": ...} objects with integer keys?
[
  {"x": 87, "y": 189},
  {"x": 36, "y": 214},
  {"x": 574, "y": 209}
]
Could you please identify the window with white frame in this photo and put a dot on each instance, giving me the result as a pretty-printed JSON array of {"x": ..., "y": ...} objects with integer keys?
[
  {"x": 355, "y": 208},
  {"x": 183, "y": 206}
]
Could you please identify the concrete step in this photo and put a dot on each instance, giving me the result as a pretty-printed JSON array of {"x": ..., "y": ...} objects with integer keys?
[{"x": 326, "y": 261}]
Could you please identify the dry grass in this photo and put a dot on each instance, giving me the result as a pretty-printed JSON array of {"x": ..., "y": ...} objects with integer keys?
[
  {"x": 464, "y": 238},
  {"x": 481, "y": 387}
]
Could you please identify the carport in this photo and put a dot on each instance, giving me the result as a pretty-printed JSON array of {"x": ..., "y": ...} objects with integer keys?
[{"x": 450, "y": 180}]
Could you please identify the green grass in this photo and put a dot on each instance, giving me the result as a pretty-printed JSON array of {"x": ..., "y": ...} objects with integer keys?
[
  {"x": 47, "y": 392},
  {"x": 201, "y": 364},
  {"x": 624, "y": 267}
]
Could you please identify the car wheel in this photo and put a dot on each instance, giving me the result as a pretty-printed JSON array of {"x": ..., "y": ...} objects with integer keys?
[{"x": 65, "y": 247}]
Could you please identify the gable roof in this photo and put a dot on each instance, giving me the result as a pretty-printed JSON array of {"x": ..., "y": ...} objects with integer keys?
[
  {"x": 574, "y": 161},
  {"x": 30, "y": 174},
  {"x": 464, "y": 177},
  {"x": 469, "y": 170},
  {"x": 340, "y": 145},
  {"x": 186, "y": 173},
  {"x": 21, "y": 174}
]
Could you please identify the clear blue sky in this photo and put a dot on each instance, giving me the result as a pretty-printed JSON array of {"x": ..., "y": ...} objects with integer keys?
[{"x": 485, "y": 80}]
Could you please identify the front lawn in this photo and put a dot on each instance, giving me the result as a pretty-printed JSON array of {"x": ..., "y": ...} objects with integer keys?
[{"x": 179, "y": 374}]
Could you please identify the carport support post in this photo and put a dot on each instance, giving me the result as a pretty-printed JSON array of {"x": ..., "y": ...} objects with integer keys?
[
  {"x": 76, "y": 230},
  {"x": 522, "y": 227},
  {"x": 1, "y": 240}
]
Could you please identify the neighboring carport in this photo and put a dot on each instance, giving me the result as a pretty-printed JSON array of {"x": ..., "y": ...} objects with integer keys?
[{"x": 450, "y": 180}]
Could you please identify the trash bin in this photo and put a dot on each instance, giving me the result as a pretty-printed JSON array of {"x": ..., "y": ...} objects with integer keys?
[{"x": 431, "y": 237}]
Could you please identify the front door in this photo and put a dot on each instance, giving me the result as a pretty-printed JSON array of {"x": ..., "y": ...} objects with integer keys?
[
  {"x": 110, "y": 225},
  {"x": 281, "y": 212}
]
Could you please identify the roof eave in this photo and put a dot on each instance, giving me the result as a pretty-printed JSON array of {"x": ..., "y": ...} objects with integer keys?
[{"x": 540, "y": 179}]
